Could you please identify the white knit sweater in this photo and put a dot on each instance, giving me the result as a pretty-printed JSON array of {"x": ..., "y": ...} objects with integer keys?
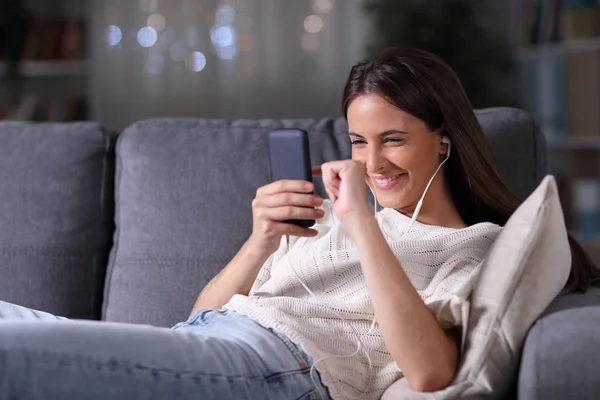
[{"x": 442, "y": 264}]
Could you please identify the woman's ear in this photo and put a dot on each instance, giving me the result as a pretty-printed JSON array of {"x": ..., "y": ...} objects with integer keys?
[{"x": 445, "y": 142}]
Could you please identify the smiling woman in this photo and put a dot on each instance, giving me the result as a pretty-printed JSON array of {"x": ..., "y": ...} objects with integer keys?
[
  {"x": 417, "y": 93},
  {"x": 401, "y": 155}
]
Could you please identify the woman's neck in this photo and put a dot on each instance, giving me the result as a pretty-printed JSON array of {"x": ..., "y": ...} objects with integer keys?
[{"x": 439, "y": 209}]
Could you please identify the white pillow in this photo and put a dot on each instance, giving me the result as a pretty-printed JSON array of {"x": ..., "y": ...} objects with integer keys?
[{"x": 525, "y": 270}]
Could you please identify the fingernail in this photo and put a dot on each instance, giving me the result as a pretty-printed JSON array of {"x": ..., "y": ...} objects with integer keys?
[
  {"x": 318, "y": 201},
  {"x": 308, "y": 185}
]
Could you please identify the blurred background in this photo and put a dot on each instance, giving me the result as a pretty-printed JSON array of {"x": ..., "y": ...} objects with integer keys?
[{"x": 119, "y": 61}]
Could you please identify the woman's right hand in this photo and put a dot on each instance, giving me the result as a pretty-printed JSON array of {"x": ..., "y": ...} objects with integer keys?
[{"x": 280, "y": 201}]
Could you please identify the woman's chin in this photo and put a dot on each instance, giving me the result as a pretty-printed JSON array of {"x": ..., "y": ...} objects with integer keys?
[
  {"x": 385, "y": 202},
  {"x": 389, "y": 199}
]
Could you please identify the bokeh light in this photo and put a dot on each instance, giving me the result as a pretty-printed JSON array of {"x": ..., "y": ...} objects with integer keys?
[
  {"x": 147, "y": 37},
  {"x": 113, "y": 35},
  {"x": 323, "y": 6},
  {"x": 196, "y": 61},
  {"x": 222, "y": 36},
  {"x": 157, "y": 22},
  {"x": 225, "y": 15},
  {"x": 313, "y": 24}
]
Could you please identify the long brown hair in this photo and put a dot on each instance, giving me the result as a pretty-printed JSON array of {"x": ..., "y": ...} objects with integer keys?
[{"x": 424, "y": 86}]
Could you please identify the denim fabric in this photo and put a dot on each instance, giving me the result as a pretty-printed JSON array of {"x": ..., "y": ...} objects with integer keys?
[{"x": 215, "y": 354}]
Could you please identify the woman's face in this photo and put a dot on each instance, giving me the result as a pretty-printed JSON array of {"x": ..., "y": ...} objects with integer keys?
[{"x": 400, "y": 153}]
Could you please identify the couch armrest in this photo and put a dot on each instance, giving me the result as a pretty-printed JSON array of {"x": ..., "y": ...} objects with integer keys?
[{"x": 560, "y": 358}]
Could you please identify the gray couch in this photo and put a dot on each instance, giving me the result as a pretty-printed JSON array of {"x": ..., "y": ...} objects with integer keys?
[{"x": 130, "y": 227}]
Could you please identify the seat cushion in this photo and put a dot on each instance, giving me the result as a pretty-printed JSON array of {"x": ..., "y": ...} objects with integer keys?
[{"x": 56, "y": 214}]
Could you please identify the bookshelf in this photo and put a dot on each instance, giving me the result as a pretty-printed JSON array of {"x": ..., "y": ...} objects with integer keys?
[
  {"x": 558, "y": 45},
  {"x": 44, "y": 68}
]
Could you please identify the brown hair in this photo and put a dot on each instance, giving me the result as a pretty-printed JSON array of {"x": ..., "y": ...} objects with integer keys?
[{"x": 424, "y": 86}]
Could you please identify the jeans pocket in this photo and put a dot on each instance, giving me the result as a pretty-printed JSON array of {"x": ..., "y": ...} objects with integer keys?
[
  {"x": 177, "y": 325},
  {"x": 203, "y": 317}
]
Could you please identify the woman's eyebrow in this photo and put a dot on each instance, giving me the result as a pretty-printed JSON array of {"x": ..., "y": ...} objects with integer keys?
[{"x": 382, "y": 134}]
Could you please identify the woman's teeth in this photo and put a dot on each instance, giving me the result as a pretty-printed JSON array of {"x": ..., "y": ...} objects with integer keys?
[{"x": 387, "y": 180}]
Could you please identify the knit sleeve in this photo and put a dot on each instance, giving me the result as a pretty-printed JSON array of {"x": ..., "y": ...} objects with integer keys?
[{"x": 450, "y": 298}]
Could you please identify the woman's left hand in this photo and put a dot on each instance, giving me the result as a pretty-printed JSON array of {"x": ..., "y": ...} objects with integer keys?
[{"x": 344, "y": 182}]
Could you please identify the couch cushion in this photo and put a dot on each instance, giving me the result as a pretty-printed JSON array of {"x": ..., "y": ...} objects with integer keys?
[
  {"x": 560, "y": 358},
  {"x": 184, "y": 192},
  {"x": 518, "y": 145},
  {"x": 525, "y": 270},
  {"x": 56, "y": 214}
]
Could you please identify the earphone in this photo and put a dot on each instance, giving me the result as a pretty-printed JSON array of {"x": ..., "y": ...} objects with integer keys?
[{"x": 445, "y": 140}]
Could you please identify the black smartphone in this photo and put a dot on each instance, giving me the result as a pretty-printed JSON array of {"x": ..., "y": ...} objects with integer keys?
[{"x": 290, "y": 159}]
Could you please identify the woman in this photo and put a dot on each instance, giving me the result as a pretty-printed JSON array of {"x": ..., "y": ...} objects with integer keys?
[{"x": 340, "y": 310}]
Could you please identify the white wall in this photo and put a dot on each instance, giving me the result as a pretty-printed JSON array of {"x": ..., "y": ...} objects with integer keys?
[{"x": 277, "y": 78}]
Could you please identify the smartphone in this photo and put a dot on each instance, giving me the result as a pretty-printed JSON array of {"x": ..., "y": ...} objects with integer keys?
[{"x": 290, "y": 159}]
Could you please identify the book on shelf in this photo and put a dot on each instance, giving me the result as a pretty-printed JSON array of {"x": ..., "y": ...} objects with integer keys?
[
  {"x": 581, "y": 18},
  {"x": 548, "y": 21},
  {"x": 51, "y": 40},
  {"x": 582, "y": 80},
  {"x": 545, "y": 93},
  {"x": 31, "y": 108},
  {"x": 562, "y": 89},
  {"x": 586, "y": 202}
]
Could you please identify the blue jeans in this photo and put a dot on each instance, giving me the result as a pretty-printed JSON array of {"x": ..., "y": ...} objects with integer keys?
[{"x": 215, "y": 354}]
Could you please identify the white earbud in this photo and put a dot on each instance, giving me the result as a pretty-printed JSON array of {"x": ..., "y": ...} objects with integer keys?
[{"x": 446, "y": 140}]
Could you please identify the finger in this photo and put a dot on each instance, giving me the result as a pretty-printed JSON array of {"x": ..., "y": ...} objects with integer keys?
[
  {"x": 295, "y": 230},
  {"x": 286, "y": 185},
  {"x": 291, "y": 199},
  {"x": 316, "y": 170},
  {"x": 333, "y": 186},
  {"x": 331, "y": 195},
  {"x": 332, "y": 175},
  {"x": 292, "y": 212}
]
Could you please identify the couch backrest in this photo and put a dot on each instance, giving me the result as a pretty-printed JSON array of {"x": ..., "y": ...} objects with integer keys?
[
  {"x": 184, "y": 190},
  {"x": 56, "y": 215}
]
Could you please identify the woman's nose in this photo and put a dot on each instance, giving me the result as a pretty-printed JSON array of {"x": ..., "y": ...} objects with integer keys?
[{"x": 375, "y": 161}]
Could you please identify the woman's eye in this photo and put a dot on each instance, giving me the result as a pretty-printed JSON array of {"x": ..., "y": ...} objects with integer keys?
[
  {"x": 394, "y": 140},
  {"x": 356, "y": 142}
]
